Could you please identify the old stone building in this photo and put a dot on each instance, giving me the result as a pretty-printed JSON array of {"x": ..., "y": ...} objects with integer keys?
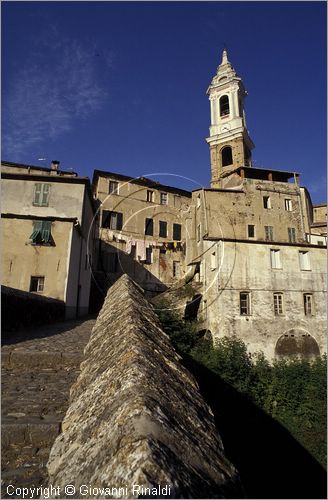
[
  {"x": 141, "y": 231},
  {"x": 46, "y": 217},
  {"x": 259, "y": 241}
]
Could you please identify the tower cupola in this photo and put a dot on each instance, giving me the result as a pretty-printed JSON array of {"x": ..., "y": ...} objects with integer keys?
[{"x": 229, "y": 141}]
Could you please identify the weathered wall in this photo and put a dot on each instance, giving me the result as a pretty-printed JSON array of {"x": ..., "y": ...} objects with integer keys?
[
  {"x": 23, "y": 309},
  {"x": 131, "y": 201},
  {"x": 136, "y": 416},
  {"x": 246, "y": 267},
  {"x": 21, "y": 259}
]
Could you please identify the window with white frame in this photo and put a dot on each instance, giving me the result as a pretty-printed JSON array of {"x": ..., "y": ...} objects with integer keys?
[
  {"x": 266, "y": 202},
  {"x": 37, "y": 284},
  {"x": 275, "y": 259},
  {"x": 113, "y": 187},
  {"x": 278, "y": 304},
  {"x": 41, "y": 194},
  {"x": 288, "y": 204},
  {"x": 163, "y": 198},
  {"x": 291, "y": 235},
  {"x": 150, "y": 195},
  {"x": 245, "y": 303},
  {"x": 308, "y": 304},
  {"x": 304, "y": 259}
]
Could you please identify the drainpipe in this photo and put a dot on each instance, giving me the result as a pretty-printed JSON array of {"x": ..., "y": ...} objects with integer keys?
[{"x": 300, "y": 207}]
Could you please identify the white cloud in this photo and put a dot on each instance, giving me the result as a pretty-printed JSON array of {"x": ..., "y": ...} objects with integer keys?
[{"x": 56, "y": 85}]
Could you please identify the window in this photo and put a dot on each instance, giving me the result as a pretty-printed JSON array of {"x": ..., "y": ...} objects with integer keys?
[
  {"x": 304, "y": 259},
  {"x": 308, "y": 304},
  {"x": 268, "y": 233},
  {"x": 112, "y": 220},
  {"x": 213, "y": 261},
  {"x": 251, "y": 230},
  {"x": 275, "y": 259},
  {"x": 245, "y": 309},
  {"x": 226, "y": 156},
  {"x": 163, "y": 198},
  {"x": 278, "y": 304},
  {"x": 150, "y": 195},
  {"x": 291, "y": 235},
  {"x": 198, "y": 201},
  {"x": 176, "y": 269},
  {"x": 149, "y": 227},
  {"x": 224, "y": 105},
  {"x": 288, "y": 205},
  {"x": 113, "y": 187},
  {"x": 162, "y": 229},
  {"x": 149, "y": 255},
  {"x": 41, "y": 195},
  {"x": 177, "y": 231},
  {"x": 37, "y": 284},
  {"x": 41, "y": 234},
  {"x": 266, "y": 202}
]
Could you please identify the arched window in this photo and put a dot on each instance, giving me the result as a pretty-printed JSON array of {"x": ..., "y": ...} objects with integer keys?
[
  {"x": 224, "y": 105},
  {"x": 226, "y": 156}
]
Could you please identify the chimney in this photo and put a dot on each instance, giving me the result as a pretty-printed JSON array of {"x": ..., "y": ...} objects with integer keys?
[{"x": 54, "y": 165}]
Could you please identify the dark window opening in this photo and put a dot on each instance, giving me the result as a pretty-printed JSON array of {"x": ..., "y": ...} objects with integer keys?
[
  {"x": 112, "y": 220},
  {"x": 244, "y": 304},
  {"x": 162, "y": 229},
  {"x": 177, "y": 231},
  {"x": 251, "y": 231},
  {"x": 226, "y": 156},
  {"x": 224, "y": 105},
  {"x": 149, "y": 227},
  {"x": 37, "y": 284}
]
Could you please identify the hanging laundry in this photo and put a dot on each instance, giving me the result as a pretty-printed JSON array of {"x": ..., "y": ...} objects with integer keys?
[
  {"x": 128, "y": 247},
  {"x": 141, "y": 249}
]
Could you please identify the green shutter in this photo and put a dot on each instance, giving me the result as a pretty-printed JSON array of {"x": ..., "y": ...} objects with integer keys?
[
  {"x": 45, "y": 194},
  {"x": 37, "y": 194},
  {"x": 176, "y": 231},
  {"x": 119, "y": 220}
]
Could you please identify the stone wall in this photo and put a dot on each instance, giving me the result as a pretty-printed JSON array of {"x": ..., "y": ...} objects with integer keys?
[
  {"x": 136, "y": 417},
  {"x": 24, "y": 309}
]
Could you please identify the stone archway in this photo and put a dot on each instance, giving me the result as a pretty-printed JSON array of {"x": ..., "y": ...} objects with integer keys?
[{"x": 296, "y": 342}]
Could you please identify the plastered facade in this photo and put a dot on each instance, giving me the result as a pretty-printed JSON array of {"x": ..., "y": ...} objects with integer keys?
[{"x": 61, "y": 266}]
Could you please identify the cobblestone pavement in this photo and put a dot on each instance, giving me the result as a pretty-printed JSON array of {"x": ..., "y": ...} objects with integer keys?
[{"x": 38, "y": 369}]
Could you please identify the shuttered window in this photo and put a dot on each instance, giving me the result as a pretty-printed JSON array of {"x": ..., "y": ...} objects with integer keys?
[
  {"x": 112, "y": 220},
  {"x": 41, "y": 234},
  {"x": 162, "y": 229},
  {"x": 41, "y": 194}
]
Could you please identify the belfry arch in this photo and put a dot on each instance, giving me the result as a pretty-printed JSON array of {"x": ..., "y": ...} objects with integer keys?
[{"x": 296, "y": 343}]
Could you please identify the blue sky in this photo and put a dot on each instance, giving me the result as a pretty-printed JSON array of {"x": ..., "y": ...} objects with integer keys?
[{"x": 121, "y": 86}]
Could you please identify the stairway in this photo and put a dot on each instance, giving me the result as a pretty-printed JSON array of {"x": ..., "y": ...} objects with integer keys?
[{"x": 38, "y": 368}]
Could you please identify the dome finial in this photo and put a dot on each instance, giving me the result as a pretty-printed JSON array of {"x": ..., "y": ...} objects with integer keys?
[{"x": 225, "y": 56}]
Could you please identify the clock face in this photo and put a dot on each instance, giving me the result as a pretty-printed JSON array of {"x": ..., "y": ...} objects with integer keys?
[{"x": 225, "y": 128}]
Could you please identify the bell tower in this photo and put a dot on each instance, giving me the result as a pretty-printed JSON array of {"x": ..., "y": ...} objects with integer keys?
[{"x": 229, "y": 141}]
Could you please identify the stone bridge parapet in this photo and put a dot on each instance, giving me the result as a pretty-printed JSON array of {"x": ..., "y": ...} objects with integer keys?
[{"x": 136, "y": 418}]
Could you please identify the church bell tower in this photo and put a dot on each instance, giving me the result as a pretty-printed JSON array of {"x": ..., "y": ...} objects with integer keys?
[{"x": 229, "y": 141}]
